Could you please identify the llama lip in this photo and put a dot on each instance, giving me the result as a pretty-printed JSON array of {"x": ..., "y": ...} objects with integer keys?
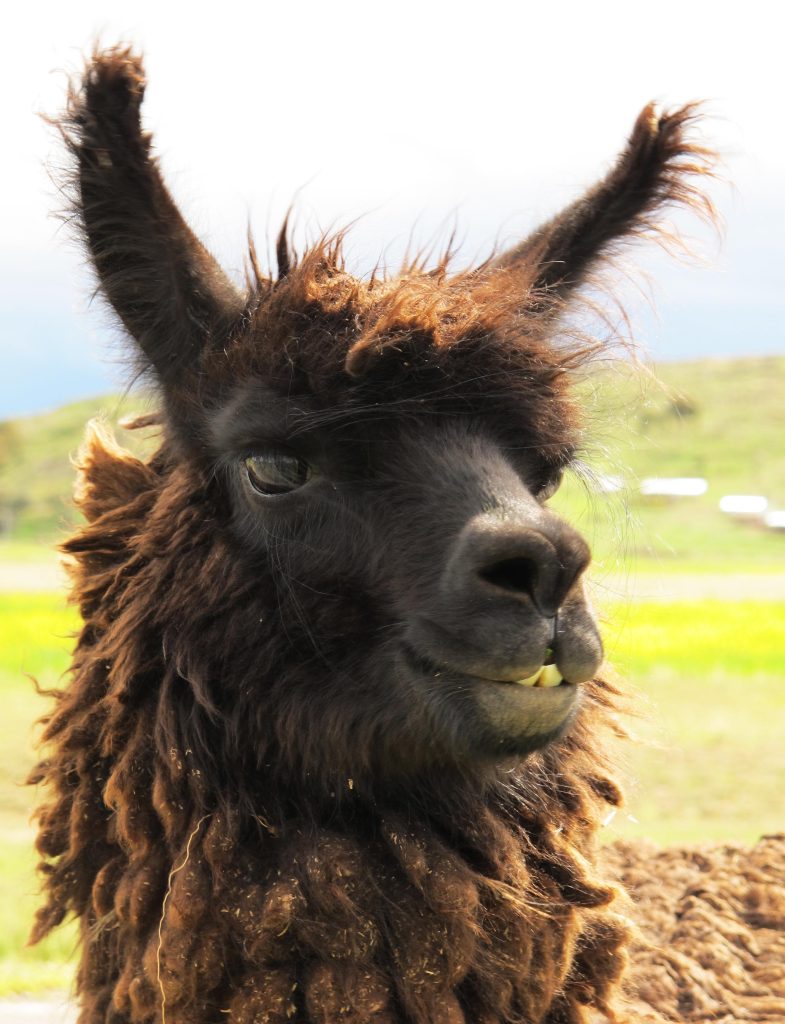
[
  {"x": 498, "y": 718},
  {"x": 547, "y": 676}
]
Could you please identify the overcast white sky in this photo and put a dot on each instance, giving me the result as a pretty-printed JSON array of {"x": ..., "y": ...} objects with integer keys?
[{"x": 407, "y": 116}]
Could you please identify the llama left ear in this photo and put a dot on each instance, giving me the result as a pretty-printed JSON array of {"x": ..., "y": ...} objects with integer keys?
[
  {"x": 658, "y": 167},
  {"x": 166, "y": 288}
]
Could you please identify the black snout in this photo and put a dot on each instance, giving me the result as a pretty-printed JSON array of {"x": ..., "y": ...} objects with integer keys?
[
  {"x": 509, "y": 594},
  {"x": 491, "y": 592},
  {"x": 537, "y": 564}
]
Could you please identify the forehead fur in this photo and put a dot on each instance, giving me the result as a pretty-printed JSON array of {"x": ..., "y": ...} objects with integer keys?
[
  {"x": 321, "y": 322},
  {"x": 447, "y": 343}
]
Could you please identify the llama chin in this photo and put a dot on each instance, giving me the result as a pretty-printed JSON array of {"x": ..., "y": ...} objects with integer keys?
[{"x": 332, "y": 744}]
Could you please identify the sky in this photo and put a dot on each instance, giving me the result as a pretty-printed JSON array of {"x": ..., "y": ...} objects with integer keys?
[{"x": 406, "y": 120}]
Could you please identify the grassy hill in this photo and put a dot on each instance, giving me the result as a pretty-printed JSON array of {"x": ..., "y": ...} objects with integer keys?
[
  {"x": 36, "y": 466},
  {"x": 723, "y": 420},
  {"x": 720, "y": 419}
]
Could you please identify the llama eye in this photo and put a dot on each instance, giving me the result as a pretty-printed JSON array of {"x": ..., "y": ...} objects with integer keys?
[
  {"x": 550, "y": 486},
  {"x": 276, "y": 472}
]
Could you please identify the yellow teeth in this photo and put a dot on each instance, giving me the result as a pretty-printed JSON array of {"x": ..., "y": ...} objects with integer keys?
[
  {"x": 530, "y": 680},
  {"x": 548, "y": 675}
]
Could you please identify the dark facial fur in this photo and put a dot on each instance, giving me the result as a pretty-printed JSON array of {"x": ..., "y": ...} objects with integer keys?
[{"x": 306, "y": 616}]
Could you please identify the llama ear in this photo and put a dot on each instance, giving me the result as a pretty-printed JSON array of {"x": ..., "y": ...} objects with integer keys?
[
  {"x": 659, "y": 166},
  {"x": 166, "y": 288}
]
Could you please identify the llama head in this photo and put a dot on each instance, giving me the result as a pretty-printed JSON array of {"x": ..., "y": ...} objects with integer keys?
[{"x": 349, "y": 550}]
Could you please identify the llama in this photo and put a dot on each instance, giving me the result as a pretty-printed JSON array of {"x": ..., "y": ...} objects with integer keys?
[{"x": 332, "y": 744}]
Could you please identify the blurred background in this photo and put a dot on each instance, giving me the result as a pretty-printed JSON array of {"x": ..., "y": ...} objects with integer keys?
[{"x": 412, "y": 121}]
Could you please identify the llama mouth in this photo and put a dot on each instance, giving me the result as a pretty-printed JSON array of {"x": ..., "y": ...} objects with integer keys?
[
  {"x": 547, "y": 676},
  {"x": 496, "y": 718}
]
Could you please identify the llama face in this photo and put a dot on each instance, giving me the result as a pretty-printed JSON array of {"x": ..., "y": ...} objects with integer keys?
[
  {"x": 365, "y": 463},
  {"x": 430, "y": 512}
]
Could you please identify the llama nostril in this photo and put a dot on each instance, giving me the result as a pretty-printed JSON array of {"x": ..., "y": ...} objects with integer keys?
[{"x": 519, "y": 575}]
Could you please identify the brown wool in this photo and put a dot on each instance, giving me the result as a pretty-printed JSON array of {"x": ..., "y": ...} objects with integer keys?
[{"x": 405, "y": 922}]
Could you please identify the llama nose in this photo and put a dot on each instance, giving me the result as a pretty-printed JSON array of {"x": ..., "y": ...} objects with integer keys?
[{"x": 526, "y": 563}]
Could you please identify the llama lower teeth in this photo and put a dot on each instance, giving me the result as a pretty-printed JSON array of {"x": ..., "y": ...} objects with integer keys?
[
  {"x": 546, "y": 676},
  {"x": 531, "y": 680},
  {"x": 549, "y": 675}
]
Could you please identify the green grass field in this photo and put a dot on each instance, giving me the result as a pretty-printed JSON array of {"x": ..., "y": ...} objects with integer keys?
[
  {"x": 35, "y": 637},
  {"x": 709, "y": 677}
]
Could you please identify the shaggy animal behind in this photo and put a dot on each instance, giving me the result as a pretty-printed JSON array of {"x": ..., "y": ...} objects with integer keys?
[{"x": 332, "y": 747}]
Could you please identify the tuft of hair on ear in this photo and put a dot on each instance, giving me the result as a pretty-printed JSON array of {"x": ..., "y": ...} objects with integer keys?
[
  {"x": 664, "y": 164},
  {"x": 167, "y": 290}
]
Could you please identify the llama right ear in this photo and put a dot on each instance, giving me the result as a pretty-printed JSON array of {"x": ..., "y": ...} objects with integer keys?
[
  {"x": 166, "y": 288},
  {"x": 660, "y": 166}
]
